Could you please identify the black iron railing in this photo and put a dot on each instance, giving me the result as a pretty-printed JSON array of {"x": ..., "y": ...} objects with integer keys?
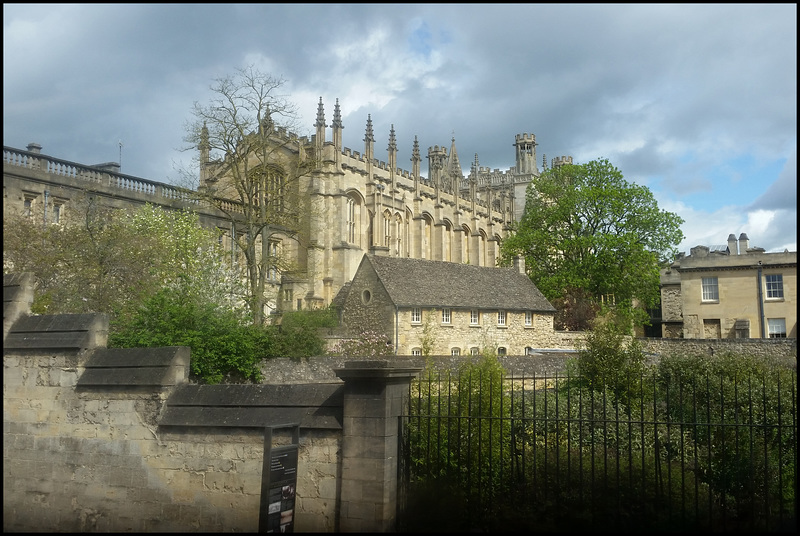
[{"x": 551, "y": 454}]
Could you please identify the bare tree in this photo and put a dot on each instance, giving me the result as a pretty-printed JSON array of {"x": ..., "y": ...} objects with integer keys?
[{"x": 250, "y": 169}]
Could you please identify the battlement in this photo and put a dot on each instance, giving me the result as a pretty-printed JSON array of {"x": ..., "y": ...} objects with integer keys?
[
  {"x": 561, "y": 161},
  {"x": 525, "y": 138}
]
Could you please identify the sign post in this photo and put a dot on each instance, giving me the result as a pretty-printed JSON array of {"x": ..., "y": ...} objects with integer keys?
[{"x": 278, "y": 482}]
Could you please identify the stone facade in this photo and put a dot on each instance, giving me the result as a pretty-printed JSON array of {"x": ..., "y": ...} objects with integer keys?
[
  {"x": 730, "y": 291},
  {"x": 361, "y": 204},
  {"x": 441, "y": 308}
]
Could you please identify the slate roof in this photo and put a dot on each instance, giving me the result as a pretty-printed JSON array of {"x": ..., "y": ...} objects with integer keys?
[{"x": 425, "y": 283}]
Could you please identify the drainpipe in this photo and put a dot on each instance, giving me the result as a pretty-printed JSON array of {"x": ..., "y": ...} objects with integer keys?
[{"x": 761, "y": 301}]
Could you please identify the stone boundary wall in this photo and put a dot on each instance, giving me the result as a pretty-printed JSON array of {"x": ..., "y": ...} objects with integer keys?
[
  {"x": 777, "y": 348},
  {"x": 543, "y": 362}
]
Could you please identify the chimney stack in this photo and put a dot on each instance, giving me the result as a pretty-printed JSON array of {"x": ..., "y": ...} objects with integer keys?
[
  {"x": 519, "y": 264},
  {"x": 732, "y": 247},
  {"x": 744, "y": 244},
  {"x": 35, "y": 148}
]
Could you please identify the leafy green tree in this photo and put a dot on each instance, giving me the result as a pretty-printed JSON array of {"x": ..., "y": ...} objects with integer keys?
[
  {"x": 585, "y": 227},
  {"x": 110, "y": 260}
]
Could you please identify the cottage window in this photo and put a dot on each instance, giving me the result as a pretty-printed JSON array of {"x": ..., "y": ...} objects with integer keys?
[
  {"x": 774, "y": 285},
  {"x": 528, "y": 318},
  {"x": 446, "y": 315},
  {"x": 416, "y": 351},
  {"x": 416, "y": 315},
  {"x": 710, "y": 289},
  {"x": 474, "y": 317},
  {"x": 776, "y": 328},
  {"x": 501, "y": 350},
  {"x": 455, "y": 351},
  {"x": 474, "y": 350},
  {"x": 501, "y": 318}
]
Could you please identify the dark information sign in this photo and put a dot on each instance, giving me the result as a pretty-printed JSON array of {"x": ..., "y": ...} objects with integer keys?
[{"x": 278, "y": 484}]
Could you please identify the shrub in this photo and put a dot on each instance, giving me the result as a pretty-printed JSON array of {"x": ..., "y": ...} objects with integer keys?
[
  {"x": 224, "y": 346},
  {"x": 613, "y": 361},
  {"x": 297, "y": 334}
]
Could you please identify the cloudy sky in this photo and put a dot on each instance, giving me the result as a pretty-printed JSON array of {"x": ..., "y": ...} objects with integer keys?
[{"x": 696, "y": 102}]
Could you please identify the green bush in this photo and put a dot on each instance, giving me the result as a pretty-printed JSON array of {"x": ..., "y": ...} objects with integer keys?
[
  {"x": 297, "y": 334},
  {"x": 224, "y": 347},
  {"x": 611, "y": 360}
]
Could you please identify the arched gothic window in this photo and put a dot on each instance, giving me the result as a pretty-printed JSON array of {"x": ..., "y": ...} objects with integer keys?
[
  {"x": 398, "y": 235},
  {"x": 387, "y": 228}
]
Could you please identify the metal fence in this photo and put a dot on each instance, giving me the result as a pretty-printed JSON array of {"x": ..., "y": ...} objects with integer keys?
[{"x": 662, "y": 453}]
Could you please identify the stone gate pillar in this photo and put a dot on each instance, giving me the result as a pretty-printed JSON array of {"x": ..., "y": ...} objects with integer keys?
[{"x": 375, "y": 395}]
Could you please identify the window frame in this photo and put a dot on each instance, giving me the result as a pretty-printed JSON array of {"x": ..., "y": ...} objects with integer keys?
[
  {"x": 707, "y": 285},
  {"x": 501, "y": 318},
  {"x": 474, "y": 317},
  {"x": 775, "y": 286},
  {"x": 528, "y": 318},
  {"x": 772, "y": 333},
  {"x": 447, "y": 316},
  {"x": 416, "y": 315}
]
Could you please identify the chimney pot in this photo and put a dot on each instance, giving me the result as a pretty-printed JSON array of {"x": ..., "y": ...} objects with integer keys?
[{"x": 519, "y": 264}]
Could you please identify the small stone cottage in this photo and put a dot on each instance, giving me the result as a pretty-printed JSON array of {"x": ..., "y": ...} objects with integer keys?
[{"x": 444, "y": 308}]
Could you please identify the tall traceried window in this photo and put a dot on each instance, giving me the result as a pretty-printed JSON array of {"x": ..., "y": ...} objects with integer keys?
[
  {"x": 273, "y": 261},
  {"x": 407, "y": 233},
  {"x": 427, "y": 235},
  {"x": 398, "y": 235},
  {"x": 387, "y": 228},
  {"x": 351, "y": 220},
  {"x": 774, "y": 285},
  {"x": 710, "y": 289},
  {"x": 465, "y": 238}
]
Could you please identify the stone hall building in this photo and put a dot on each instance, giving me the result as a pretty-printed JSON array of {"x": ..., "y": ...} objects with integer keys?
[
  {"x": 360, "y": 203},
  {"x": 730, "y": 291}
]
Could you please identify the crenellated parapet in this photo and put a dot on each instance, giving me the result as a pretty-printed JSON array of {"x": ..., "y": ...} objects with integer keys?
[{"x": 561, "y": 161}]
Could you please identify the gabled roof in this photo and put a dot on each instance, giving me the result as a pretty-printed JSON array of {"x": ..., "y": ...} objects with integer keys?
[{"x": 425, "y": 283}]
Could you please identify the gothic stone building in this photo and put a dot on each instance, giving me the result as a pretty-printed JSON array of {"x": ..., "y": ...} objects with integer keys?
[
  {"x": 730, "y": 291},
  {"x": 360, "y": 205},
  {"x": 445, "y": 308}
]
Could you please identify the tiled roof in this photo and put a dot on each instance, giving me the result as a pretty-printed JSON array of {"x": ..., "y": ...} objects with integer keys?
[{"x": 424, "y": 283}]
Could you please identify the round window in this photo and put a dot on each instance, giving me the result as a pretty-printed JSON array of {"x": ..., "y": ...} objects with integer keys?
[{"x": 366, "y": 297}]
